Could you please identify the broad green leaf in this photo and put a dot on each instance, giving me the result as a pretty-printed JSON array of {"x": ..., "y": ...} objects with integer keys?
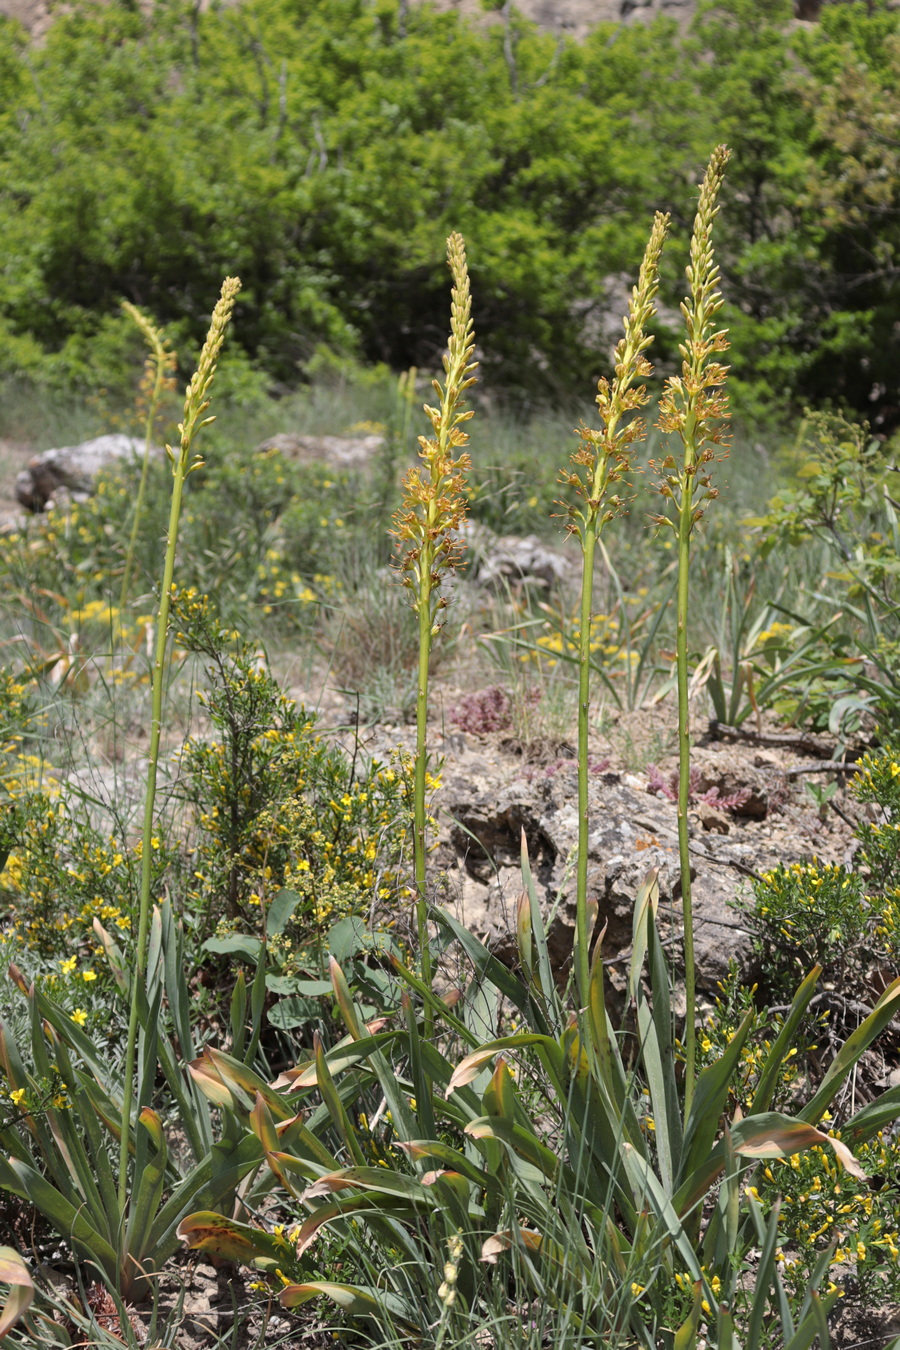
[
  {"x": 767, "y": 1234},
  {"x": 344, "y": 999},
  {"x": 489, "y": 969},
  {"x": 24, "y": 1181},
  {"x": 237, "y": 944},
  {"x": 114, "y": 957},
  {"x": 14, "y": 1272},
  {"x": 872, "y": 1118},
  {"x": 469, "y": 1068},
  {"x": 379, "y": 1180},
  {"x": 710, "y": 1095},
  {"x": 353, "y": 1299},
  {"x": 149, "y": 1182},
  {"x": 335, "y": 1106},
  {"x": 206, "y": 1231},
  {"x": 648, "y": 1193},
  {"x": 774, "y": 1061},
  {"x": 884, "y": 1012},
  {"x": 520, "y": 1140},
  {"x": 346, "y": 938},
  {"x": 421, "y": 1149},
  {"x": 280, "y": 912},
  {"x": 772, "y": 1135}
]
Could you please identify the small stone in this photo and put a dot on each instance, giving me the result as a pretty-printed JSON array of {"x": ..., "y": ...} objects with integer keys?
[{"x": 711, "y": 818}]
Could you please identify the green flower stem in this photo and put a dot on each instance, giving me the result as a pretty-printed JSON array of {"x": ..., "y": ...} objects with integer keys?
[
  {"x": 419, "y": 813},
  {"x": 582, "y": 933},
  {"x": 603, "y": 458},
  {"x": 684, "y": 780},
  {"x": 692, "y": 407},
  {"x": 429, "y": 522},
  {"x": 195, "y": 405}
]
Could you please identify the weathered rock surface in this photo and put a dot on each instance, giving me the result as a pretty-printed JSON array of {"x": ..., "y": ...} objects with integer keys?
[
  {"x": 631, "y": 833},
  {"x": 341, "y": 452},
  {"x": 498, "y": 561},
  {"x": 73, "y": 469},
  {"x": 484, "y": 812}
]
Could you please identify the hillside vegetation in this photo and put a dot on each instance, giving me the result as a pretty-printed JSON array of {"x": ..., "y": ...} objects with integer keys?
[{"x": 324, "y": 149}]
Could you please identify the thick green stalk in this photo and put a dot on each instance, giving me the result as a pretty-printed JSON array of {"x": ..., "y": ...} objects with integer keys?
[
  {"x": 419, "y": 784},
  {"x": 196, "y": 404},
  {"x": 582, "y": 934},
  {"x": 693, "y": 407},
  {"x": 600, "y": 462},
  {"x": 157, "y": 681},
  {"x": 429, "y": 522},
  {"x": 684, "y": 782}
]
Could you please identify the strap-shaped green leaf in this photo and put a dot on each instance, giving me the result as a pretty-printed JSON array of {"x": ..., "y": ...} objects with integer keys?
[
  {"x": 774, "y": 1062},
  {"x": 335, "y": 1106},
  {"x": 67, "y": 1219},
  {"x": 885, "y": 1011},
  {"x": 356, "y": 1300},
  {"x": 15, "y": 1273},
  {"x": 710, "y": 1095},
  {"x": 148, "y": 1188}
]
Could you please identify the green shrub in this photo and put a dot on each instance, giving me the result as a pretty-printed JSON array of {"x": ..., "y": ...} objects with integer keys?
[
  {"x": 844, "y": 918},
  {"x": 277, "y": 805}
]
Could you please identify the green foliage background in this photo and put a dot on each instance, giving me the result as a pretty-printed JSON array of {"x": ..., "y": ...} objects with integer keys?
[{"x": 324, "y": 149}]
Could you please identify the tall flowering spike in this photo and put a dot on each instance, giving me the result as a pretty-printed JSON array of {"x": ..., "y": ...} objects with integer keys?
[
  {"x": 196, "y": 398},
  {"x": 196, "y": 403},
  {"x": 434, "y": 505},
  {"x": 601, "y": 461},
  {"x": 603, "y": 456},
  {"x": 428, "y": 525},
  {"x": 159, "y": 370},
  {"x": 693, "y": 405}
]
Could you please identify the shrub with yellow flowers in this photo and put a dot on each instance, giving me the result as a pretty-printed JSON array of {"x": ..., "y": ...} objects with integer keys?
[
  {"x": 846, "y": 918},
  {"x": 276, "y": 804},
  {"x": 824, "y": 1206}
]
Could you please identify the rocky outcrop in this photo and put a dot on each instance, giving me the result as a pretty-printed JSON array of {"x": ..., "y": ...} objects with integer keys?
[
  {"x": 72, "y": 470},
  {"x": 630, "y": 834},
  {"x": 575, "y": 18},
  {"x": 498, "y": 562},
  {"x": 340, "y": 452},
  {"x": 633, "y": 829}
]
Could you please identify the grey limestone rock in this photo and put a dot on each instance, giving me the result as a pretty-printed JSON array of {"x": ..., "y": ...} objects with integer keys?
[
  {"x": 73, "y": 469},
  {"x": 341, "y": 452},
  {"x": 631, "y": 832}
]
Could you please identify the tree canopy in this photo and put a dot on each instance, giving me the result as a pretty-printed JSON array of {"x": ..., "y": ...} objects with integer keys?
[{"x": 324, "y": 149}]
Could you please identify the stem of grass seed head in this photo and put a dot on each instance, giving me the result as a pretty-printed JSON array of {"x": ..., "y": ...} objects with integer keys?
[
  {"x": 195, "y": 405},
  {"x": 684, "y": 782}
]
